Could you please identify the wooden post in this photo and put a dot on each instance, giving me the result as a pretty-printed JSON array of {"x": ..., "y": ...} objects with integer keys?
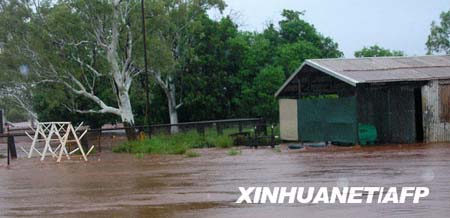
[
  {"x": 200, "y": 129},
  {"x": 272, "y": 137},
  {"x": 7, "y": 154},
  {"x": 85, "y": 143},
  {"x": 149, "y": 131},
  {"x": 219, "y": 129},
  {"x": 12, "y": 147},
  {"x": 264, "y": 125},
  {"x": 100, "y": 140}
]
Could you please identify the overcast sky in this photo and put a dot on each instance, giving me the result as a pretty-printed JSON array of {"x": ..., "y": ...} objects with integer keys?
[{"x": 394, "y": 24}]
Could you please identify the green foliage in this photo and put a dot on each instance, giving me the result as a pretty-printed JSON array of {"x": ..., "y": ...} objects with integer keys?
[
  {"x": 277, "y": 149},
  {"x": 218, "y": 70},
  {"x": 377, "y": 51},
  {"x": 191, "y": 154},
  {"x": 12, "y": 112},
  {"x": 175, "y": 144},
  {"x": 16, "y": 115},
  {"x": 234, "y": 152},
  {"x": 268, "y": 58},
  {"x": 221, "y": 141},
  {"x": 439, "y": 38},
  {"x": 139, "y": 155},
  {"x": 290, "y": 56}
]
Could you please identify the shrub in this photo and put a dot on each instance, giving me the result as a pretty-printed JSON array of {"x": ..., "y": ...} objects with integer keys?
[
  {"x": 233, "y": 152},
  {"x": 139, "y": 155},
  {"x": 192, "y": 154},
  {"x": 175, "y": 144},
  {"x": 221, "y": 141}
]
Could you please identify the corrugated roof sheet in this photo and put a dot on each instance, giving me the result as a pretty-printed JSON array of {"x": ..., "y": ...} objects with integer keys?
[
  {"x": 380, "y": 69},
  {"x": 386, "y": 69}
]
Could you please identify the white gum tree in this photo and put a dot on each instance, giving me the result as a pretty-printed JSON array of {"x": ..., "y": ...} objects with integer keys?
[
  {"x": 81, "y": 45},
  {"x": 171, "y": 23}
]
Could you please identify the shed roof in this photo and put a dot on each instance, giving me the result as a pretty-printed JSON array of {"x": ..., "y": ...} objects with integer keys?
[{"x": 380, "y": 69}]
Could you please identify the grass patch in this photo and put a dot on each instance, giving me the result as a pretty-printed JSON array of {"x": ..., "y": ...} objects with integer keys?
[
  {"x": 175, "y": 144},
  {"x": 139, "y": 155},
  {"x": 221, "y": 141},
  {"x": 192, "y": 154},
  {"x": 277, "y": 149},
  {"x": 233, "y": 152}
]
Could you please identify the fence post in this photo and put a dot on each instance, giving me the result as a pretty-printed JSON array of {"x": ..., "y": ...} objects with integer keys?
[
  {"x": 85, "y": 143},
  {"x": 264, "y": 124},
  {"x": 219, "y": 129},
  {"x": 200, "y": 129},
  {"x": 272, "y": 137},
  {"x": 100, "y": 140},
  {"x": 7, "y": 154},
  {"x": 12, "y": 147},
  {"x": 240, "y": 126},
  {"x": 149, "y": 131}
]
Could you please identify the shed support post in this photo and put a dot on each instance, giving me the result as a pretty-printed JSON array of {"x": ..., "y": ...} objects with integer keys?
[
  {"x": 357, "y": 117},
  {"x": 1, "y": 122}
]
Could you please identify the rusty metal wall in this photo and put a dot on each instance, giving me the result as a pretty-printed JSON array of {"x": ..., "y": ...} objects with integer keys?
[
  {"x": 444, "y": 102},
  {"x": 435, "y": 129}
]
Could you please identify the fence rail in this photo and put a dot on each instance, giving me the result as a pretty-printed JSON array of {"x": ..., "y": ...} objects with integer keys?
[
  {"x": 186, "y": 125},
  {"x": 96, "y": 135}
]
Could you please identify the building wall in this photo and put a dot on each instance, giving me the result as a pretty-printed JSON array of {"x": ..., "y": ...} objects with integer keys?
[
  {"x": 435, "y": 130},
  {"x": 288, "y": 119}
]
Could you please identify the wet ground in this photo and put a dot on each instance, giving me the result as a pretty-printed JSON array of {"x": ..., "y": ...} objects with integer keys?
[{"x": 122, "y": 185}]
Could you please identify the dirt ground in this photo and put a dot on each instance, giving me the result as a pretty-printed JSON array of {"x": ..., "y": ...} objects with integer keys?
[{"x": 122, "y": 185}]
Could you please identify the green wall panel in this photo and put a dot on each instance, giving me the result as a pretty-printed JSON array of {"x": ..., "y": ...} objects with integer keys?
[{"x": 328, "y": 120}]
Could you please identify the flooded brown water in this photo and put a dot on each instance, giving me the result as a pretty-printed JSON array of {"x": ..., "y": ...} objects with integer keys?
[{"x": 122, "y": 185}]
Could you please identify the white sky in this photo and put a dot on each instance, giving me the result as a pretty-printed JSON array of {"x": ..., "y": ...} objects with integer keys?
[{"x": 393, "y": 24}]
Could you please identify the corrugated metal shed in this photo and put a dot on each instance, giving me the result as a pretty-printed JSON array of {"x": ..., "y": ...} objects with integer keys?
[{"x": 381, "y": 69}]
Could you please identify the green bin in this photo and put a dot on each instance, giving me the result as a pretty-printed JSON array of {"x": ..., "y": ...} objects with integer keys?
[{"x": 367, "y": 134}]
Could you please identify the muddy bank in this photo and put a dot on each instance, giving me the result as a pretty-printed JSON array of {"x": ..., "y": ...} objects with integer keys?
[{"x": 207, "y": 186}]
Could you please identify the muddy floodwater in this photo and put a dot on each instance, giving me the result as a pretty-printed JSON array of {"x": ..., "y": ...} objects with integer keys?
[{"x": 122, "y": 185}]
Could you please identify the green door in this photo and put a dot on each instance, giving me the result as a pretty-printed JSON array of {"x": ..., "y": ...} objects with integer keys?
[{"x": 328, "y": 119}]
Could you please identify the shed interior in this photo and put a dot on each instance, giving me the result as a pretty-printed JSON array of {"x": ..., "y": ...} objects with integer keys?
[{"x": 393, "y": 108}]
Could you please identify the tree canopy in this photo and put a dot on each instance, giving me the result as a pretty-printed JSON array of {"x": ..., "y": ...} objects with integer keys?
[
  {"x": 216, "y": 70},
  {"x": 377, "y": 51},
  {"x": 439, "y": 38}
]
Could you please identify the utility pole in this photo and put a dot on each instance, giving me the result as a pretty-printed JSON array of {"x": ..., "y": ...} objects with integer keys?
[{"x": 147, "y": 97}]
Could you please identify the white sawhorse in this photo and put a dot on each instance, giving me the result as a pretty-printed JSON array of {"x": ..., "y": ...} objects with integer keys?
[{"x": 62, "y": 131}]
